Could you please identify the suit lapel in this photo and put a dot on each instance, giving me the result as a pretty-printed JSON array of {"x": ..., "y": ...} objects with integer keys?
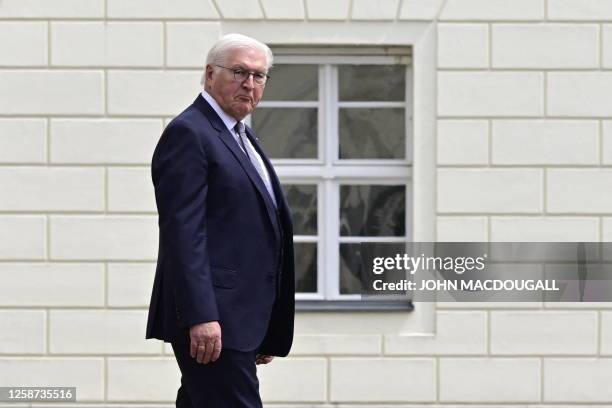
[{"x": 229, "y": 142}]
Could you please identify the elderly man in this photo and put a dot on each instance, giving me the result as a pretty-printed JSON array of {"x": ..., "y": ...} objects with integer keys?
[{"x": 223, "y": 293}]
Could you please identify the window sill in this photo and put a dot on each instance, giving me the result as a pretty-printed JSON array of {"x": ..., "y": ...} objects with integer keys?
[{"x": 353, "y": 306}]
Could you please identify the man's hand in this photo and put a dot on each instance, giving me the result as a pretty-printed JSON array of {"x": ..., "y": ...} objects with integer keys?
[
  {"x": 205, "y": 341},
  {"x": 263, "y": 359}
]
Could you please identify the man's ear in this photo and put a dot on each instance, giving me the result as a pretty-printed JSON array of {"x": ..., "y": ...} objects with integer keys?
[{"x": 209, "y": 72}]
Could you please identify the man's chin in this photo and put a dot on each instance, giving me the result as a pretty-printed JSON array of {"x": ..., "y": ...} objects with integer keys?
[{"x": 241, "y": 113}]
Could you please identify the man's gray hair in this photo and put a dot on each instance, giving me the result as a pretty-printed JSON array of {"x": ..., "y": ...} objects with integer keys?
[{"x": 217, "y": 54}]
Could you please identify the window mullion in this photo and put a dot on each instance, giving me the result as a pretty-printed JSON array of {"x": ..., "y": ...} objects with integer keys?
[
  {"x": 322, "y": 235},
  {"x": 332, "y": 211},
  {"x": 332, "y": 247},
  {"x": 408, "y": 116},
  {"x": 322, "y": 240}
]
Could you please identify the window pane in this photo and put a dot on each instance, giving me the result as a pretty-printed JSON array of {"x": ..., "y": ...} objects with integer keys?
[
  {"x": 302, "y": 200},
  {"x": 373, "y": 210},
  {"x": 356, "y": 276},
  {"x": 292, "y": 83},
  {"x": 287, "y": 132},
  {"x": 372, "y": 82},
  {"x": 352, "y": 271},
  {"x": 372, "y": 133},
  {"x": 305, "y": 267}
]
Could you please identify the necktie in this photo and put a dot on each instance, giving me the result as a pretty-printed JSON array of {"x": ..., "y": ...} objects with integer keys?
[{"x": 250, "y": 152}]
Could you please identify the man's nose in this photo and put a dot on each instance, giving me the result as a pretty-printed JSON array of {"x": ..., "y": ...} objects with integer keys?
[{"x": 249, "y": 82}]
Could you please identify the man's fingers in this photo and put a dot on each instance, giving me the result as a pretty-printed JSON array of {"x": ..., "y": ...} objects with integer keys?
[
  {"x": 216, "y": 350},
  {"x": 193, "y": 349},
  {"x": 200, "y": 353},
  {"x": 263, "y": 359},
  {"x": 208, "y": 352}
]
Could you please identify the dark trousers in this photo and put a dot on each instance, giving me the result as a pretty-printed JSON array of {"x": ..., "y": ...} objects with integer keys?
[{"x": 229, "y": 382}]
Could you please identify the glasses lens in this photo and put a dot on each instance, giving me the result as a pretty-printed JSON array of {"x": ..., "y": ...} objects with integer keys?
[
  {"x": 259, "y": 79},
  {"x": 240, "y": 75}
]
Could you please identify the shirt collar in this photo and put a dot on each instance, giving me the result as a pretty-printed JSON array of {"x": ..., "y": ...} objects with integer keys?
[{"x": 229, "y": 121}]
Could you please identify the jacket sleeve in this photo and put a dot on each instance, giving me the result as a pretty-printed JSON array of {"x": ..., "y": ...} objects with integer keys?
[{"x": 180, "y": 171}]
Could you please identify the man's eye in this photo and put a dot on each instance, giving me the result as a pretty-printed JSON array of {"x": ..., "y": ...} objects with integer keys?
[
  {"x": 259, "y": 75},
  {"x": 238, "y": 72}
]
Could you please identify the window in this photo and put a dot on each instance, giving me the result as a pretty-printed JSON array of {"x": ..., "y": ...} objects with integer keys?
[{"x": 337, "y": 123}]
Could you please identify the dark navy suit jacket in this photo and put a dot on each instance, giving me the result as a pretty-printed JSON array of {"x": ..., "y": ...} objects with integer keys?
[{"x": 225, "y": 250}]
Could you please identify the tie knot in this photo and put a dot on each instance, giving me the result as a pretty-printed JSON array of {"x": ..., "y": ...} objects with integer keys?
[{"x": 239, "y": 127}]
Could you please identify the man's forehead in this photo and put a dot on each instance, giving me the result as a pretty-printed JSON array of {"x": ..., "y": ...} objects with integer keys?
[{"x": 250, "y": 57}]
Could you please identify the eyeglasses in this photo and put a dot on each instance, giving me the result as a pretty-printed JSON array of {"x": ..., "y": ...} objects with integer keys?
[{"x": 241, "y": 75}]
